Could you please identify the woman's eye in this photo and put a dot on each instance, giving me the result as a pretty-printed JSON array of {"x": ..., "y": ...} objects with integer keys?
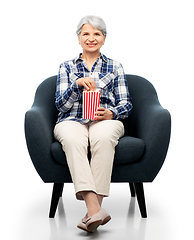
[{"x": 85, "y": 34}]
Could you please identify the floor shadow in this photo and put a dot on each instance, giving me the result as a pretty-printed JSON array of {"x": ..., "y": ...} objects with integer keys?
[
  {"x": 58, "y": 224},
  {"x": 135, "y": 225}
]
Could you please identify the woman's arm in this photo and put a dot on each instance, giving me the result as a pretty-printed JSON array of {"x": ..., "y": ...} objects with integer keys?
[
  {"x": 67, "y": 91},
  {"x": 122, "y": 97},
  {"x": 123, "y": 103}
]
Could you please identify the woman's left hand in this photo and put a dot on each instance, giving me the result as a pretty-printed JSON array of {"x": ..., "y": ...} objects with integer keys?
[{"x": 103, "y": 114}]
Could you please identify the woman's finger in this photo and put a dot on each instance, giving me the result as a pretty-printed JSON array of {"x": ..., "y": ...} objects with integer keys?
[
  {"x": 86, "y": 86},
  {"x": 100, "y": 109},
  {"x": 89, "y": 85}
]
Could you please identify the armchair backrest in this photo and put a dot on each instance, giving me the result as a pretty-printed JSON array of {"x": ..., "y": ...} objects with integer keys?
[
  {"x": 45, "y": 98},
  {"x": 143, "y": 96},
  {"x": 142, "y": 92}
]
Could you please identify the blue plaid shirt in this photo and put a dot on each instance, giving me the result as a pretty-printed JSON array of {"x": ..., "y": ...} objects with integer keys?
[{"x": 109, "y": 77}]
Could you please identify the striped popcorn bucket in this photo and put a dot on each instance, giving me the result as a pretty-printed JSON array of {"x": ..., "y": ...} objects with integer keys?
[{"x": 91, "y": 101}]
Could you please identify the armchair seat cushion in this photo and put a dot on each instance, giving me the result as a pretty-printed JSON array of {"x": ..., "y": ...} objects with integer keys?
[{"x": 129, "y": 149}]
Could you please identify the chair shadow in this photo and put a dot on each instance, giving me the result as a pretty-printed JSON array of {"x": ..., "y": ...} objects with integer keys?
[
  {"x": 135, "y": 226},
  {"x": 55, "y": 233}
]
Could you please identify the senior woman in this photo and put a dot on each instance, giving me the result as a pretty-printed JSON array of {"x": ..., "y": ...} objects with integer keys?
[{"x": 91, "y": 70}]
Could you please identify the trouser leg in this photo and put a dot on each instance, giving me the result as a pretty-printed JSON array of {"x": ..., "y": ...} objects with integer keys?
[
  {"x": 74, "y": 139},
  {"x": 103, "y": 138}
]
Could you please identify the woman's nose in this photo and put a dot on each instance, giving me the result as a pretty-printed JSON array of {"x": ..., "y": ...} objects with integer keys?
[{"x": 91, "y": 38}]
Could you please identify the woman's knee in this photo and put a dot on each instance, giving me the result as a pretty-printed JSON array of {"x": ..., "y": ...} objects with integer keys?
[
  {"x": 102, "y": 140},
  {"x": 106, "y": 133},
  {"x": 71, "y": 134}
]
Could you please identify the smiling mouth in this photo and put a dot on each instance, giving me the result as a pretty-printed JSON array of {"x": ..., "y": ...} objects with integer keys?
[{"x": 91, "y": 44}]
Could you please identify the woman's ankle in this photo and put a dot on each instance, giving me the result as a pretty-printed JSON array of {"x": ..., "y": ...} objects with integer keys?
[
  {"x": 100, "y": 199},
  {"x": 92, "y": 211},
  {"x": 92, "y": 202}
]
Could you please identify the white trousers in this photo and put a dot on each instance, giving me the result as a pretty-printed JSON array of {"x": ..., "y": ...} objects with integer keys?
[{"x": 102, "y": 136}]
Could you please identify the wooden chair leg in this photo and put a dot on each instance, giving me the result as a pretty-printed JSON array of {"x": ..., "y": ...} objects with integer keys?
[
  {"x": 132, "y": 189},
  {"x": 141, "y": 199},
  {"x": 57, "y": 193}
]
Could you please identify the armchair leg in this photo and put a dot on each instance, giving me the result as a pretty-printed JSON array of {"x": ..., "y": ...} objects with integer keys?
[
  {"x": 141, "y": 199},
  {"x": 132, "y": 189},
  {"x": 57, "y": 193},
  {"x": 61, "y": 192}
]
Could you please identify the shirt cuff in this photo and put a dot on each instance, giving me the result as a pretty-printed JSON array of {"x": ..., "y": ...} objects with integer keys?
[
  {"x": 76, "y": 88},
  {"x": 115, "y": 114}
]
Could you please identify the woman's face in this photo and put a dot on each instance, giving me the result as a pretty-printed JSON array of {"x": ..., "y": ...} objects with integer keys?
[{"x": 91, "y": 39}]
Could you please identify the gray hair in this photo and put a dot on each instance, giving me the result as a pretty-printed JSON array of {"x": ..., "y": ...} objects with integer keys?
[{"x": 95, "y": 21}]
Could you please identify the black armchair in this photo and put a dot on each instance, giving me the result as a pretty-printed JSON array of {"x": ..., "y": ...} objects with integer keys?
[{"x": 139, "y": 155}]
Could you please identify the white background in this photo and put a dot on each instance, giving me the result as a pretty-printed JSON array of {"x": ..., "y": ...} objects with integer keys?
[{"x": 153, "y": 39}]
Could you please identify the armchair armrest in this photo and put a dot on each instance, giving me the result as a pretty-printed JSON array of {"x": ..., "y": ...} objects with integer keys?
[
  {"x": 39, "y": 124},
  {"x": 39, "y": 138},
  {"x": 151, "y": 123}
]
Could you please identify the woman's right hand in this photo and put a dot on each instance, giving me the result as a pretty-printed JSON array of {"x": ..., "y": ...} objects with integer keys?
[{"x": 88, "y": 83}]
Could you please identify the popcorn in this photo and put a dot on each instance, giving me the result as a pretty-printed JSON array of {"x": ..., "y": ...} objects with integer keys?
[{"x": 91, "y": 101}]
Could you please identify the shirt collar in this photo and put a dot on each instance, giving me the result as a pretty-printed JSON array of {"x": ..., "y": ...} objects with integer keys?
[
  {"x": 78, "y": 58},
  {"x": 102, "y": 56}
]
